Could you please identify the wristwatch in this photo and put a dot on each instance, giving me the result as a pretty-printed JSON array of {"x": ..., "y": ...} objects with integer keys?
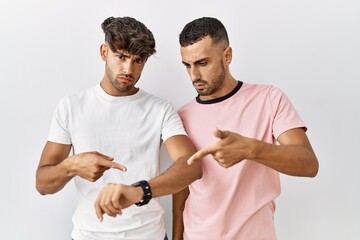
[{"x": 147, "y": 192}]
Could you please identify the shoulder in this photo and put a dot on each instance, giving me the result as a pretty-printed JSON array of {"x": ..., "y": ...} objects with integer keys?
[
  {"x": 74, "y": 99},
  {"x": 261, "y": 90},
  {"x": 150, "y": 100},
  {"x": 187, "y": 106},
  {"x": 151, "y": 97},
  {"x": 253, "y": 87},
  {"x": 86, "y": 93}
]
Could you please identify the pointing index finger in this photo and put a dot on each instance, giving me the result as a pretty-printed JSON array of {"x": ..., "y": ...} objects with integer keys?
[
  {"x": 111, "y": 164},
  {"x": 118, "y": 166},
  {"x": 200, "y": 154}
]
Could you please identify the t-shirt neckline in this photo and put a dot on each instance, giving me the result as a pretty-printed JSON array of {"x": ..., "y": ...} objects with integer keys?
[
  {"x": 220, "y": 99},
  {"x": 108, "y": 97}
]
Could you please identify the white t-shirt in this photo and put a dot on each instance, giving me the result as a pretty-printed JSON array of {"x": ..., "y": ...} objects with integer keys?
[{"x": 130, "y": 129}]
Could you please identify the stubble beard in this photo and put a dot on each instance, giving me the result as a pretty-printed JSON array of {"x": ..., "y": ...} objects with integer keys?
[
  {"x": 121, "y": 87},
  {"x": 215, "y": 83}
]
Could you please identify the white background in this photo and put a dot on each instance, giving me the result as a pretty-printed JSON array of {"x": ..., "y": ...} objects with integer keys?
[{"x": 310, "y": 49}]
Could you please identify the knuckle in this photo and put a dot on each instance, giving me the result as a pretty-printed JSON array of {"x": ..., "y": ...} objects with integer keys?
[
  {"x": 101, "y": 204},
  {"x": 105, "y": 203},
  {"x": 114, "y": 200}
]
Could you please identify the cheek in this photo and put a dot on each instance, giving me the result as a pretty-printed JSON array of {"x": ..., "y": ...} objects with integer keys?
[
  {"x": 138, "y": 69},
  {"x": 207, "y": 73},
  {"x": 114, "y": 64},
  {"x": 214, "y": 72}
]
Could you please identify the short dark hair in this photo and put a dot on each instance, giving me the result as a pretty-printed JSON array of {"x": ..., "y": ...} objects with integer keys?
[
  {"x": 127, "y": 33},
  {"x": 202, "y": 27}
]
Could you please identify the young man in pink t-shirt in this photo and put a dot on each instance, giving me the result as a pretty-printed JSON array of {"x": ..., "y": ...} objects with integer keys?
[{"x": 246, "y": 134}]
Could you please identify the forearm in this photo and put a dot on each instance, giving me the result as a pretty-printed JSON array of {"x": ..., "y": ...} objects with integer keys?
[
  {"x": 176, "y": 178},
  {"x": 294, "y": 160},
  {"x": 177, "y": 210},
  {"x": 52, "y": 178}
]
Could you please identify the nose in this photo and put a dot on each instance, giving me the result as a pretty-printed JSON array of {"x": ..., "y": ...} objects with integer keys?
[
  {"x": 194, "y": 74},
  {"x": 128, "y": 67}
]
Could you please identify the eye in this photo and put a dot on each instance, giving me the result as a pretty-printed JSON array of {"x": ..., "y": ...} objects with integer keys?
[
  {"x": 202, "y": 63},
  {"x": 186, "y": 65},
  {"x": 139, "y": 60},
  {"x": 121, "y": 56}
]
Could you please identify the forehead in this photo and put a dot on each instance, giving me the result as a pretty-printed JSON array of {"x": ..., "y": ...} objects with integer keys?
[
  {"x": 199, "y": 50},
  {"x": 120, "y": 51},
  {"x": 125, "y": 53}
]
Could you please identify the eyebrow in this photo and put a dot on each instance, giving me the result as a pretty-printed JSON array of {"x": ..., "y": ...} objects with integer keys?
[
  {"x": 122, "y": 53},
  {"x": 197, "y": 61},
  {"x": 129, "y": 55}
]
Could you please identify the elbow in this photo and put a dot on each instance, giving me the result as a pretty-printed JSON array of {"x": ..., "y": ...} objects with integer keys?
[
  {"x": 194, "y": 172},
  {"x": 198, "y": 176},
  {"x": 314, "y": 172},
  {"x": 199, "y": 172},
  {"x": 41, "y": 189},
  {"x": 314, "y": 169}
]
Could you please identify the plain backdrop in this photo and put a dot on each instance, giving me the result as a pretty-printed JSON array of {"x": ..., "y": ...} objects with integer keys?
[{"x": 309, "y": 49}]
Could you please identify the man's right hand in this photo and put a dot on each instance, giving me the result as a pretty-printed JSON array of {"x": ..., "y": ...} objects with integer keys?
[
  {"x": 56, "y": 168},
  {"x": 92, "y": 165}
]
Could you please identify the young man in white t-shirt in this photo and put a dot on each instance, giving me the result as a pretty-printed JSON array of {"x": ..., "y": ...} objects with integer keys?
[
  {"x": 115, "y": 131},
  {"x": 260, "y": 135}
]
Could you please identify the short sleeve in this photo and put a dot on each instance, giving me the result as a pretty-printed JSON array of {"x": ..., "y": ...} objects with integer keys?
[
  {"x": 284, "y": 113},
  {"x": 59, "y": 128},
  {"x": 172, "y": 124}
]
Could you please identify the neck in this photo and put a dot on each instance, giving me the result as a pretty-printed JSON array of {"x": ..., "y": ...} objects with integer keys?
[
  {"x": 228, "y": 85},
  {"x": 109, "y": 88}
]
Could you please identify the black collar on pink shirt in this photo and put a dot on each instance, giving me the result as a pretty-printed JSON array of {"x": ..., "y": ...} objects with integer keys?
[{"x": 220, "y": 99}]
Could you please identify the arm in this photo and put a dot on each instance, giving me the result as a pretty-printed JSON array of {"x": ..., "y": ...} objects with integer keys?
[
  {"x": 294, "y": 156},
  {"x": 180, "y": 174},
  {"x": 115, "y": 197},
  {"x": 56, "y": 168},
  {"x": 179, "y": 199},
  {"x": 52, "y": 173}
]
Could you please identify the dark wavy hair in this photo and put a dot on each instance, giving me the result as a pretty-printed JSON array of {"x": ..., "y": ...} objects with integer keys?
[
  {"x": 202, "y": 27},
  {"x": 128, "y": 34}
]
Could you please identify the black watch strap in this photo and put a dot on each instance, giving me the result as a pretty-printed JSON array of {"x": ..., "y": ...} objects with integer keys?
[{"x": 147, "y": 192}]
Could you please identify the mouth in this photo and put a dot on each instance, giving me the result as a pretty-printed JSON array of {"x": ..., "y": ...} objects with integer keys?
[
  {"x": 125, "y": 79},
  {"x": 199, "y": 84}
]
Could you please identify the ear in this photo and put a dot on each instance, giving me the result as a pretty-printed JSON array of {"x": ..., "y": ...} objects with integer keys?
[
  {"x": 103, "y": 51},
  {"x": 228, "y": 55}
]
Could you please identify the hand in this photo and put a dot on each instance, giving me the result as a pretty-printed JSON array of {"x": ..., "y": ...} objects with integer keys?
[
  {"x": 232, "y": 148},
  {"x": 92, "y": 165},
  {"x": 115, "y": 197}
]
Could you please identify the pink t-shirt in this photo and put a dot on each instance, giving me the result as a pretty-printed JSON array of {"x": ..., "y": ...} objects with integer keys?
[{"x": 237, "y": 202}]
